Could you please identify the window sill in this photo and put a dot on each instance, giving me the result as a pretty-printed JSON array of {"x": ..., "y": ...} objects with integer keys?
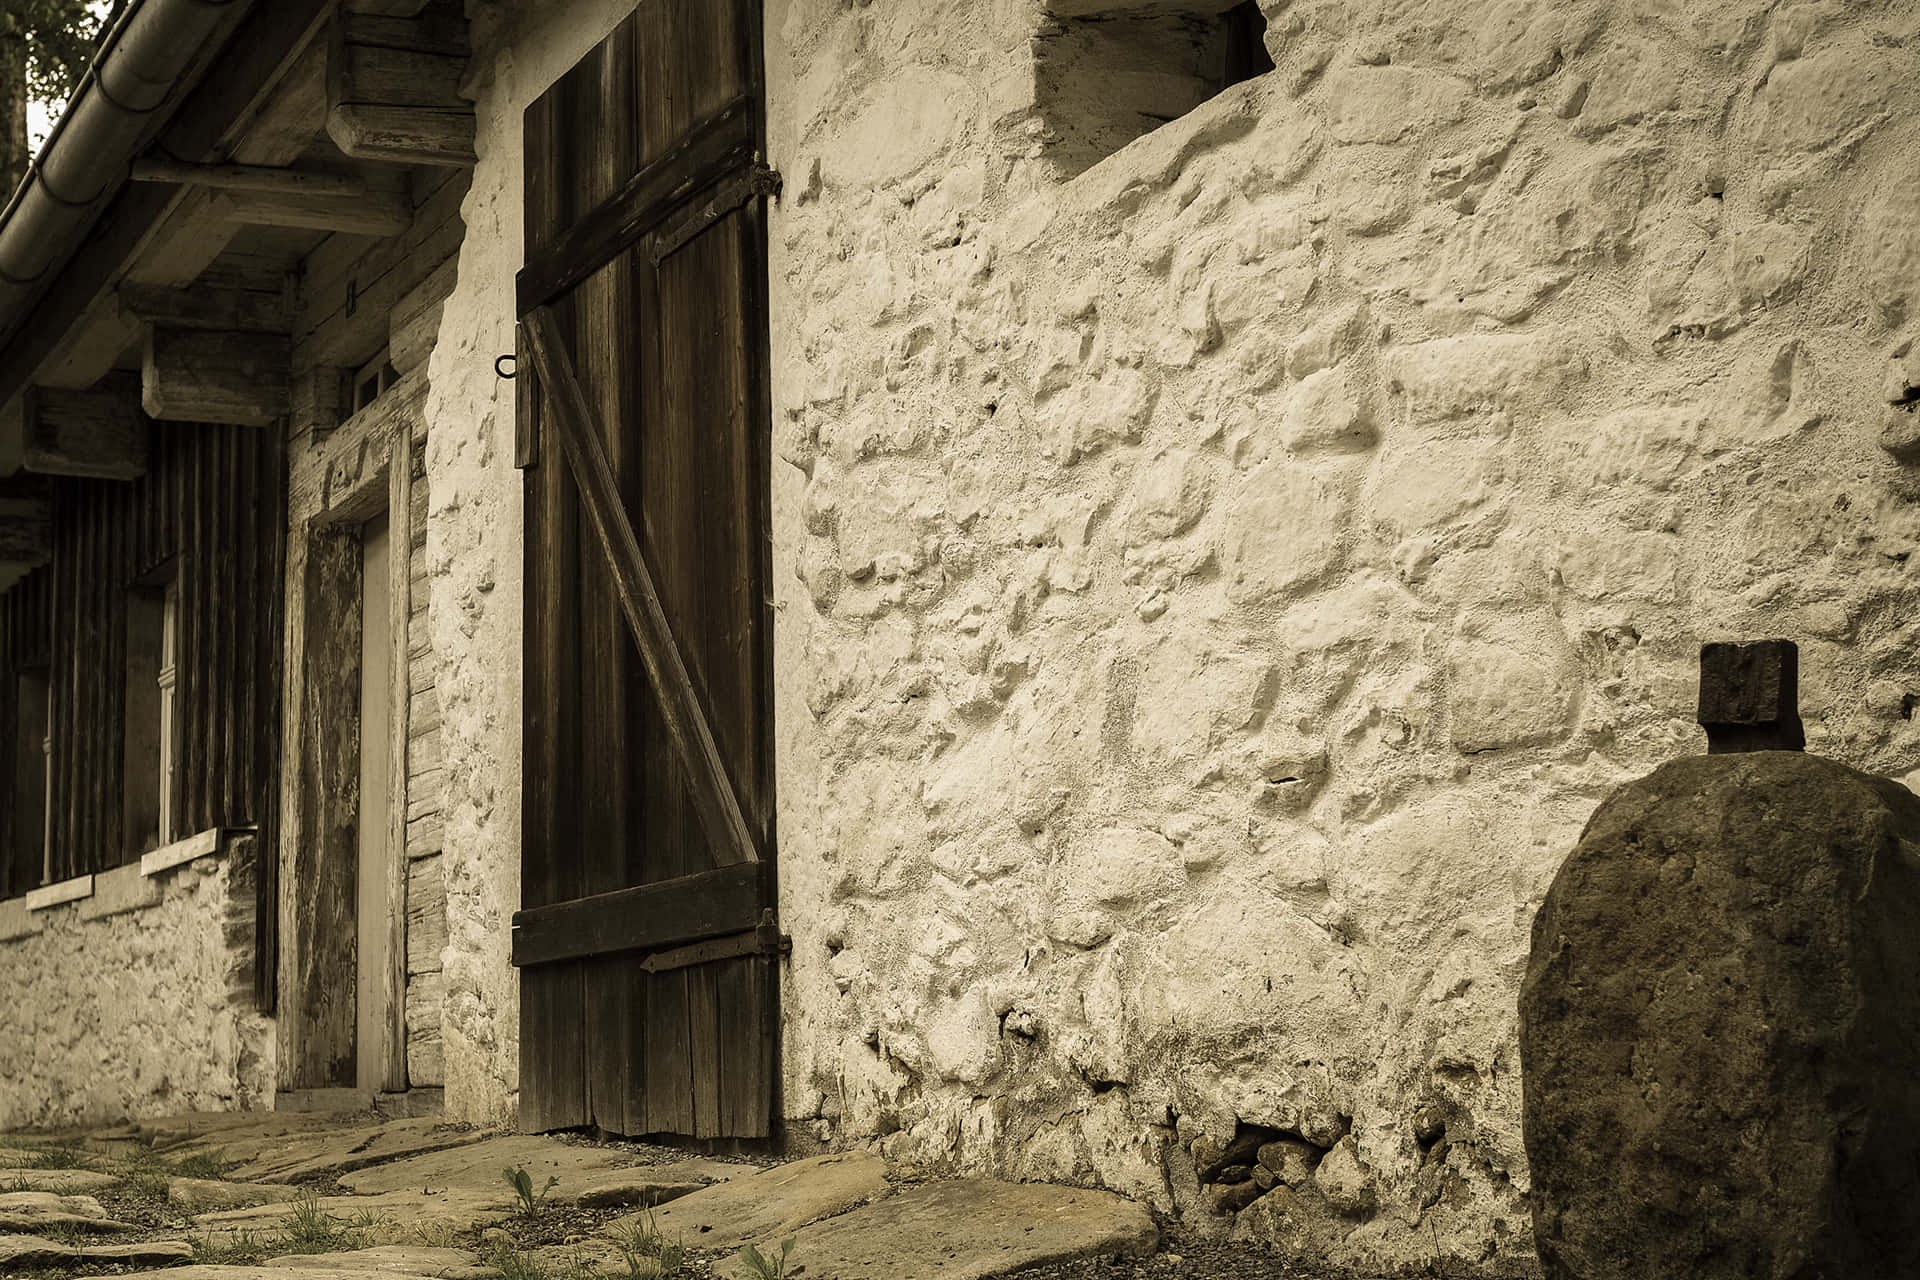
[
  {"x": 56, "y": 895},
  {"x": 107, "y": 893},
  {"x": 180, "y": 852}
]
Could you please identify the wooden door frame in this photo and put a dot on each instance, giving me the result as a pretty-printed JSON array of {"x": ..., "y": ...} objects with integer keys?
[{"x": 328, "y": 593}]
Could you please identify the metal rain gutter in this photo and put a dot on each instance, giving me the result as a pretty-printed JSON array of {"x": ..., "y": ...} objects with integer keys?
[{"x": 85, "y": 159}]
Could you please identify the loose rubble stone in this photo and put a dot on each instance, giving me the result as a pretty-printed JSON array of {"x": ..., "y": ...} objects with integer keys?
[
  {"x": 1343, "y": 1180},
  {"x": 970, "y": 1230},
  {"x": 771, "y": 1204},
  {"x": 1297, "y": 1227},
  {"x": 1291, "y": 1160},
  {"x": 1718, "y": 1025}
]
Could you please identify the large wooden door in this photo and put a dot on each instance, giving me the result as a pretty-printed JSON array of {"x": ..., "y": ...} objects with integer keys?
[{"x": 646, "y": 940}]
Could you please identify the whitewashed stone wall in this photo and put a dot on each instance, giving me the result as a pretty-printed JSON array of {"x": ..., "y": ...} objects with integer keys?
[
  {"x": 135, "y": 1001},
  {"x": 474, "y": 550},
  {"x": 1215, "y": 587}
]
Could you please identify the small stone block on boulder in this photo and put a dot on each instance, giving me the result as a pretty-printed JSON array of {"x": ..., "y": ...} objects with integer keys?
[
  {"x": 1718, "y": 1027},
  {"x": 1750, "y": 697},
  {"x": 971, "y": 1229}
]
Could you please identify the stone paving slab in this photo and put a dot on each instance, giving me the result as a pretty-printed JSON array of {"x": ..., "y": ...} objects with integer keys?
[
  {"x": 970, "y": 1229},
  {"x": 394, "y": 1259},
  {"x": 197, "y": 1127},
  {"x": 339, "y": 1151},
  {"x": 481, "y": 1164},
  {"x": 268, "y": 1273},
  {"x": 770, "y": 1204},
  {"x": 59, "y": 1181},
  {"x": 39, "y": 1211},
  {"x": 398, "y": 1212},
  {"x": 640, "y": 1188},
  {"x": 21, "y": 1251},
  {"x": 206, "y": 1195}
]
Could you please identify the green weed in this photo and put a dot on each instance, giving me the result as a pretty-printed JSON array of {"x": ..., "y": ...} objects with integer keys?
[
  {"x": 522, "y": 1183},
  {"x": 761, "y": 1267}
]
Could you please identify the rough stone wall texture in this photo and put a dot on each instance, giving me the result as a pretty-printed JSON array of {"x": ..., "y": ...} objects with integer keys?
[
  {"x": 474, "y": 531},
  {"x": 1215, "y": 585},
  {"x": 135, "y": 1002}
]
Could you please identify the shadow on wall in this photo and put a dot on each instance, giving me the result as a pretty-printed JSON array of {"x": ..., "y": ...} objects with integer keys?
[{"x": 1107, "y": 74}]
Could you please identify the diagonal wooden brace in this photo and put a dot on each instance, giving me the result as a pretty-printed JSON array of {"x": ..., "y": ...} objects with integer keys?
[{"x": 572, "y": 419}]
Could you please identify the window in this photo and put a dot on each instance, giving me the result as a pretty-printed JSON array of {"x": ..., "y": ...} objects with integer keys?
[
  {"x": 1109, "y": 72},
  {"x": 32, "y": 745},
  {"x": 372, "y": 378},
  {"x": 147, "y": 782}
]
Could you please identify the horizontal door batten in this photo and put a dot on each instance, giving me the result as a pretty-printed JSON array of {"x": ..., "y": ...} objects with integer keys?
[
  {"x": 724, "y": 143},
  {"x": 707, "y": 904}
]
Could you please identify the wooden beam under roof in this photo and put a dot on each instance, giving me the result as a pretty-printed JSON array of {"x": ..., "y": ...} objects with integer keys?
[
  {"x": 245, "y": 310},
  {"x": 99, "y": 433},
  {"x": 215, "y": 375},
  {"x": 248, "y": 177},
  {"x": 377, "y": 213},
  {"x": 393, "y": 89}
]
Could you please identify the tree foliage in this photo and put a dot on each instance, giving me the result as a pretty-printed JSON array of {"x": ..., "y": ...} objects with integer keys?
[
  {"x": 59, "y": 37},
  {"x": 45, "y": 46}
]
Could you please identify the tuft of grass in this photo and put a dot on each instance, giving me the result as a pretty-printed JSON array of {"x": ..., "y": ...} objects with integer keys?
[
  {"x": 201, "y": 1164},
  {"x": 311, "y": 1229},
  {"x": 56, "y": 1158},
  {"x": 649, "y": 1255},
  {"x": 437, "y": 1235},
  {"x": 515, "y": 1265},
  {"x": 63, "y": 1233},
  {"x": 240, "y": 1250}
]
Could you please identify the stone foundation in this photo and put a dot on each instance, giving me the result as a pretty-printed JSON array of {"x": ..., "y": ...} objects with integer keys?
[{"x": 135, "y": 1000}]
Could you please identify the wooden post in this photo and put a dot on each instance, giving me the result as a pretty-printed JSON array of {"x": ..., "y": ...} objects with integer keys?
[
  {"x": 399, "y": 614},
  {"x": 99, "y": 433}
]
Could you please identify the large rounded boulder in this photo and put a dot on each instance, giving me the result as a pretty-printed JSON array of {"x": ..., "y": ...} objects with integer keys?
[{"x": 1720, "y": 1029}]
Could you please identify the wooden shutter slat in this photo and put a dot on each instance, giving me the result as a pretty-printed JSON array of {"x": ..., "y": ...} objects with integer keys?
[
  {"x": 643, "y": 918},
  {"x": 709, "y": 152},
  {"x": 572, "y": 422}
]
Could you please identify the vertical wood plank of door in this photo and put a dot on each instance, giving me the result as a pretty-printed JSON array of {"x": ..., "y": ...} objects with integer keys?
[
  {"x": 553, "y": 1084},
  {"x": 607, "y": 1014},
  {"x": 703, "y": 1020},
  {"x": 746, "y": 1080},
  {"x": 669, "y": 1092}
]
